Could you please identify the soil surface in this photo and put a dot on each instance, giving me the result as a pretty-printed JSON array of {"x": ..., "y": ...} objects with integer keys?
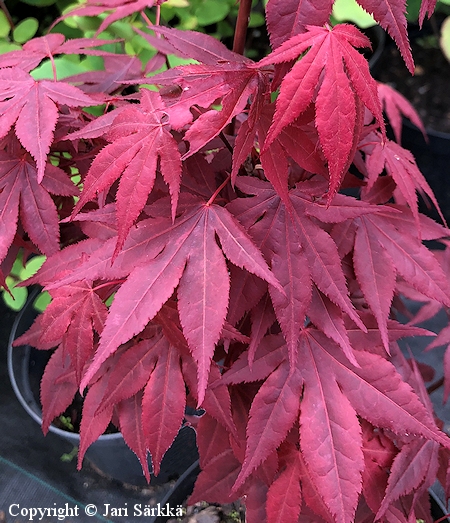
[
  {"x": 212, "y": 513},
  {"x": 429, "y": 89}
]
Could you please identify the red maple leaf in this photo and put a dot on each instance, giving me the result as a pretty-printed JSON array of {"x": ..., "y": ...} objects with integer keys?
[
  {"x": 34, "y": 108},
  {"x": 329, "y": 430},
  {"x": 119, "y": 70},
  {"x": 139, "y": 139},
  {"x": 120, "y": 9},
  {"x": 401, "y": 166},
  {"x": 287, "y": 236},
  {"x": 396, "y": 105},
  {"x": 193, "y": 259},
  {"x": 37, "y": 49},
  {"x": 73, "y": 325},
  {"x": 334, "y": 76},
  {"x": 22, "y": 195},
  {"x": 221, "y": 76},
  {"x": 291, "y": 17}
]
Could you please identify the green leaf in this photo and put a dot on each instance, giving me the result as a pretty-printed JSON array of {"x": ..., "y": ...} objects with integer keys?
[
  {"x": 5, "y": 47},
  {"x": 256, "y": 19},
  {"x": 4, "y": 25},
  {"x": 31, "y": 267},
  {"x": 18, "y": 298},
  {"x": 39, "y": 3},
  {"x": 412, "y": 10},
  {"x": 350, "y": 11},
  {"x": 177, "y": 3},
  {"x": 42, "y": 301},
  {"x": 16, "y": 268},
  {"x": 64, "y": 67},
  {"x": 211, "y": 11},
  {"x": 25, "y": 30}
]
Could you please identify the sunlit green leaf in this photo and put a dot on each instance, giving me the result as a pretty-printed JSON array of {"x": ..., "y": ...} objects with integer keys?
[
  {"x": 31, "y": 267},
  {"x": 42, "y": 301},
  {"x": 4, "y": 25},
  {"x": 350, "y": 11},
  {"x": 18, "y": 298},
  {"x": 25, "y": 30}
]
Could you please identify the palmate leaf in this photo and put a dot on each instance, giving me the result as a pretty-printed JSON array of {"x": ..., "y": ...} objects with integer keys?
[
  {"x": 23, "y": 196},
  {"x": 169, "y": 252},
  {"x": 33, "y": 107},
  {"x": 332, "y": 74},
  {"x": 37, "y": 49},
  {"x": 385, "y": 247},
  {"x": 412, "y": 260},
  {"x": 396, "y": 105},
  {"x": 202, "y": 85},
  {"x": 401, "y": 166},
  {"x": 119, "y": 70},
  {"x": 408, "y": 472},
  {"x": 291, "y": 17},
  {"x": 221, "y": 76},
  {"x": 330, "y": 433},
  {"x": 138, "y": 139},
  {"x": 289, "y": 238},
  {"x": 75, "y": 312}
]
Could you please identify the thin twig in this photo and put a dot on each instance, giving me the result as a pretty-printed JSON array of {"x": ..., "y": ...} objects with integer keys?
[
  {"x": 436, "y": 385},
  {"x": 7, "y": 14},
  {"x": 217, "y": 191},
  {"x": 226, "y": 142}
]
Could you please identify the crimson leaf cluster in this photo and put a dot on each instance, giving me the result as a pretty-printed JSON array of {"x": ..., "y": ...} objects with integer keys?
[{"x": 201, "y": 251}]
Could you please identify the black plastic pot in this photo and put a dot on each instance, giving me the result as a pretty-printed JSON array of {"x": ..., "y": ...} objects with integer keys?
[
  {"x": 377, "y": 36},
  {"x": 109, "y": 454},
  {"x": 438, "y": 508}
]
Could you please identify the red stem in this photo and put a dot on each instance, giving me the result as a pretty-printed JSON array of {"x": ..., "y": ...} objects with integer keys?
[
  {"x": 240, "y": 36},
  {"x": 216, "y": 193},
  {"x": 240, "y": 32}
]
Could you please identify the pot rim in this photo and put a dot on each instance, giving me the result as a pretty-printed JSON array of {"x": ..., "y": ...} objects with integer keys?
[{"x": 75, "y": 437}]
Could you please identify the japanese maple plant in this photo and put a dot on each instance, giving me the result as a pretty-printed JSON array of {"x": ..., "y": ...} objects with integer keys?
[{"x": 233, "y": 235}]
